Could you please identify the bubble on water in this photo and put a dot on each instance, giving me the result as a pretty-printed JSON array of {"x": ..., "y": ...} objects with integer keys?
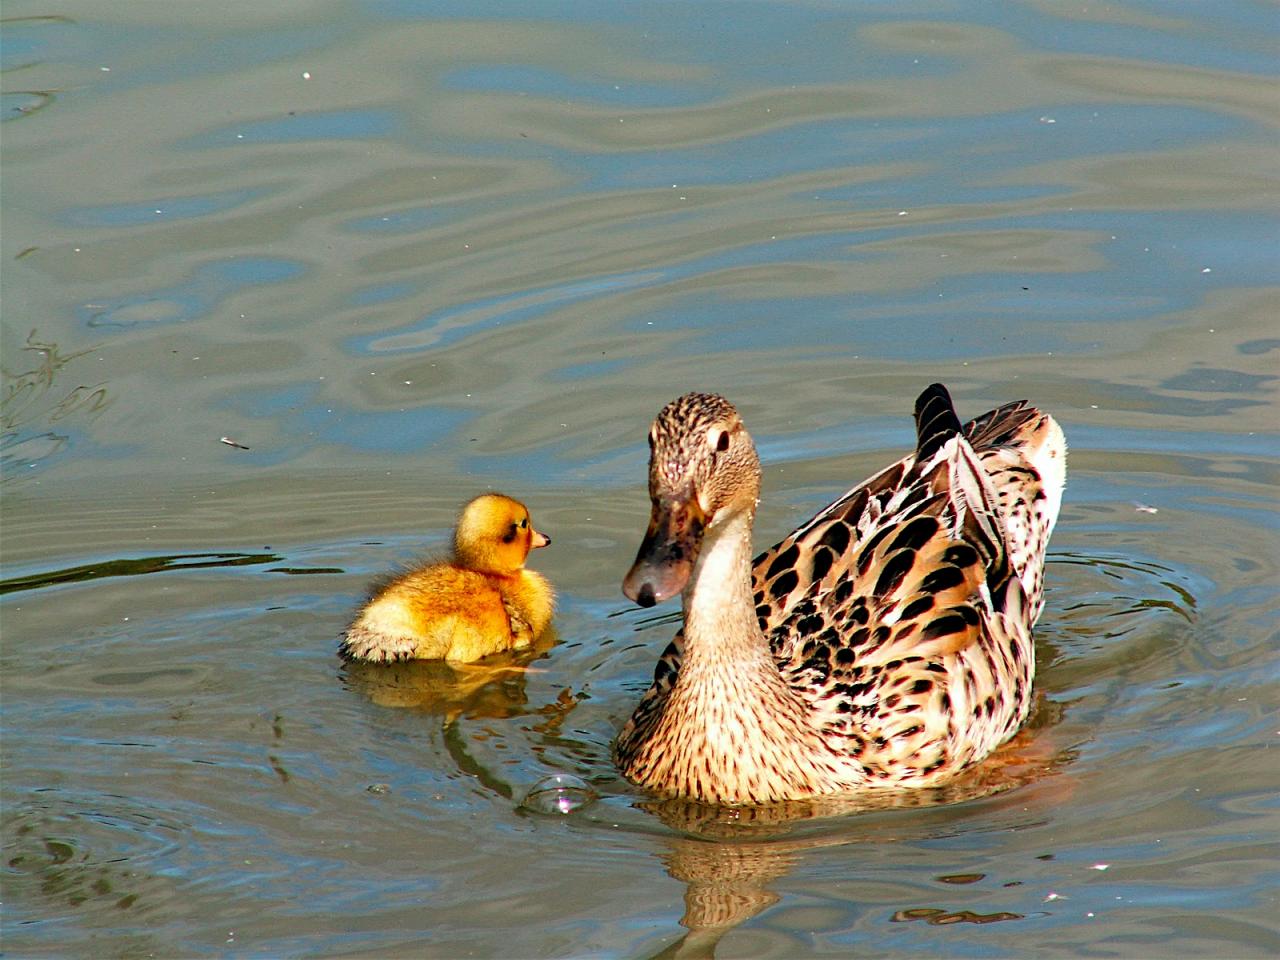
[{"x": 560, "y": 793}]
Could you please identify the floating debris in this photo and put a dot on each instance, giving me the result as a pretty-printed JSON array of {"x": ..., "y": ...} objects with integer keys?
[
  {"x": 961, "y": 878},
  {"x": 937, "y": 917},
  {"x": 231, "y": 443}
]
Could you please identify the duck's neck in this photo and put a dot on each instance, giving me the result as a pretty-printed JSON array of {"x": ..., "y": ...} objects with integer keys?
[
  {"x": 720, "y": 626},
  {"x": 735, "y": 732}
]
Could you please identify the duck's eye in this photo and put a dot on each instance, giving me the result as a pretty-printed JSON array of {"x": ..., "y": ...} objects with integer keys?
[
  {"x": 524, "y": 522},
  {"x": 719, "y": 439}
]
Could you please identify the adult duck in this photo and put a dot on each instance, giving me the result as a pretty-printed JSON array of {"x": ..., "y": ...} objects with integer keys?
[{"x": 885, "y": 644}]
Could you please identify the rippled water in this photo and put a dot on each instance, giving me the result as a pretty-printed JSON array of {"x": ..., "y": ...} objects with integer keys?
[{"x": 286, "y": 283}]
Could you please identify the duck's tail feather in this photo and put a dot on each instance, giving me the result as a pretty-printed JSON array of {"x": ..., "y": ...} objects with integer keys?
[{"x": 936, "y": 421}]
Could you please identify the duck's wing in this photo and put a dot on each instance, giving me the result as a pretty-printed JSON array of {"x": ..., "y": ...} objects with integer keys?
[
  {"x": 998, "y": 477},
  {"x": 901, "y": 609},
  {"x": 1024, "y": 454}
]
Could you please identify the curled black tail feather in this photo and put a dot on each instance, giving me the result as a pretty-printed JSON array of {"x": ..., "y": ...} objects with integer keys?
[{"x": 936, "y": 421}]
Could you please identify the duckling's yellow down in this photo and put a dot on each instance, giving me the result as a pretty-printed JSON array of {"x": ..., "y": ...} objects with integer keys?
[{"x": 479, "y": 602}]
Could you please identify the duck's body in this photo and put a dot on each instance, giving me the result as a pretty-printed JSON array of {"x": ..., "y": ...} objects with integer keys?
[
  {"x": 479, "y": 602},
  {"x": 886, "y": 643}
]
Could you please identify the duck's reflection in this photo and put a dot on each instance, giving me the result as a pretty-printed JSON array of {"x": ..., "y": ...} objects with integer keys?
[
  {"x": 727, "y": 857},
  {"x": 725, "y": 885}
]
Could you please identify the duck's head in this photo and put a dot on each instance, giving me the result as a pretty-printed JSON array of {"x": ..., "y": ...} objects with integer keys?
[
  {"x": 703, "y": 468},
  {"x": 495, "y": 535}
]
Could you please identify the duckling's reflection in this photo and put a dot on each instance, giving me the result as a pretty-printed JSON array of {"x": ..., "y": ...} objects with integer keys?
[
  {"x": 490, "y": 688},
  {"x": 728, "y": 856}
]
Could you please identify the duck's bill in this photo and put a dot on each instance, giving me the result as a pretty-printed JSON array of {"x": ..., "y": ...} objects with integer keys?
[
  {"x": 539, "y": 540},
  {"x": 666, "y": 557}
]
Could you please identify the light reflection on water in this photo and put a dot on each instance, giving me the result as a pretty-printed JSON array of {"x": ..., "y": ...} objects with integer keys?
[{"x": 407, "y": 258}]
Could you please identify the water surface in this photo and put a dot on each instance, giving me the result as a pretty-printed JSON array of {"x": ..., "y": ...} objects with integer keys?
[{"x": 284, "y": 285}]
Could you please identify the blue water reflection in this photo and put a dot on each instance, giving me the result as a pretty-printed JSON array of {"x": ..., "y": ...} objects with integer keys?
[
  {"x": 447, "y": 327},
  {"x": 161, "y": 209},
  {"x": 303, "y": 416},
  {"x": 302, "y": 127},
  {"x": 206, "y": 289},
  {"x": 531, "y": 81}
]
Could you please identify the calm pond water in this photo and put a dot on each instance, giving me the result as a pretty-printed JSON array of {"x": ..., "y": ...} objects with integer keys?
[{"x": 398, "y": 253}]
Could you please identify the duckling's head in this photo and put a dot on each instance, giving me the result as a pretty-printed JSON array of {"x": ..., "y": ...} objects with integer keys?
[
  {"x": 495, "y": 535},
  {"x": 703, "y": 468}
]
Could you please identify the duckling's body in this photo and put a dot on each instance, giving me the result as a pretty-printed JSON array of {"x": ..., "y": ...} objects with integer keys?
[
  {"x": 479, "y": 602},
  {"x": 886, "y": 643}
]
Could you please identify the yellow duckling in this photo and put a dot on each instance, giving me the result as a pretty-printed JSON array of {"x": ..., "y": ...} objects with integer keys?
[{"x": 479, "y": 602}]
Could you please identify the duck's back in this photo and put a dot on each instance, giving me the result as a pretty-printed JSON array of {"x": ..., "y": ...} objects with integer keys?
[{"x": 902, "y": 612}]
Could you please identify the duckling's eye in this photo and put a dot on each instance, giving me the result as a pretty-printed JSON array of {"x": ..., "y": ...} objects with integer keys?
[{"x": 524, "y": 522}]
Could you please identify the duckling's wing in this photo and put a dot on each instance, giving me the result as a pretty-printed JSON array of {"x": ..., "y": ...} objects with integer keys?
[{"x": 898, "y": 611}]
